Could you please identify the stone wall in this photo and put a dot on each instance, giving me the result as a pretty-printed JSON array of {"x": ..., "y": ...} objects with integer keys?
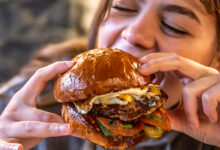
[{"x": 27, "y": 25}]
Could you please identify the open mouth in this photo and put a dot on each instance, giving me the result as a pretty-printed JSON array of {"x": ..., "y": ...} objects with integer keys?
[{"x": 157, "y": 78}]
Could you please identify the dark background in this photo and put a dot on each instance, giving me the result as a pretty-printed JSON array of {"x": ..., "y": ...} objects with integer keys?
[{"x": 28, "y": 25}]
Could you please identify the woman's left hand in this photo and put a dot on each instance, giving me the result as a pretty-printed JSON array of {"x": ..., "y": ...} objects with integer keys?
[{"x": 198, "y": 114}]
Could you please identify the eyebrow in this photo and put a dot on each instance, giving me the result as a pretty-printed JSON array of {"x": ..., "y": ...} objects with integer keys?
[{"x": 180, "y": 10}]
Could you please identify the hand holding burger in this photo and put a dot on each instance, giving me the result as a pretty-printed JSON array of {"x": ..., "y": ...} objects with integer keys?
[{"x": 108, "y": 102}]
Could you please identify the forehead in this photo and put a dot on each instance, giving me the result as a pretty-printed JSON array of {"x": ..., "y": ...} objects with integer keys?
[{"x": 193, "y": 4}]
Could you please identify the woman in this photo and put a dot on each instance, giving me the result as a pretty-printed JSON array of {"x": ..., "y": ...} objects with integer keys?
[{"x": 178, "y": 40}]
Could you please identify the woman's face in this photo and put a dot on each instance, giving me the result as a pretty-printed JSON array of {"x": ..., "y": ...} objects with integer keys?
[{"x": 144, "y": 26}]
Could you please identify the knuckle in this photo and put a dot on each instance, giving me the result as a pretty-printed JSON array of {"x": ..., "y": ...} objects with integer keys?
[
  {"x": 206, "y": 97},
  {"x": 8, "y": 114},
  {"x": 40, "y": 72},
  {"x": 177, "y": 59},
  {"x": 52, "y": 129},
  {"x": 174, "y": 55},
  {"x": 12, "y": 109},
  {"x": 187, "y": 90},
  {"x": 28, "y": 127},
  {"x": 2, "y": 131},
  {"x": 152, "y": 62}
]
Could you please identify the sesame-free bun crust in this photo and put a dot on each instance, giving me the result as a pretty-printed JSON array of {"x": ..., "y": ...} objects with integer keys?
[
  {"x": 84, "y": 126},
  {"x": 98, "y": 71}
]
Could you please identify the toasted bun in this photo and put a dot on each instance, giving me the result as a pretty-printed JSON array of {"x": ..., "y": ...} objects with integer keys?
[
  {"x": 85, "y": 126},
  {"x": 97, "y": 72}
]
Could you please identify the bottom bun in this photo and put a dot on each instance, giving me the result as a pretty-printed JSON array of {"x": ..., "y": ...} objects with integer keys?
[{"x": 85, "y": 126}]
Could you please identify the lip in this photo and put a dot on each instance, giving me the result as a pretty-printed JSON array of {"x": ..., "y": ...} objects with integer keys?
[{"x": 137, "y": 51}]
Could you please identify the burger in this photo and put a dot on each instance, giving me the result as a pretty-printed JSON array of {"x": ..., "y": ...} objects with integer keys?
[{"x": 108, "y": 102}]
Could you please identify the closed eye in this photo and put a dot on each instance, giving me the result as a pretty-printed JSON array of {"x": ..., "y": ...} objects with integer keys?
[
  {"x": 167, "y": 28},
  {"x": 119, "y": 8}
]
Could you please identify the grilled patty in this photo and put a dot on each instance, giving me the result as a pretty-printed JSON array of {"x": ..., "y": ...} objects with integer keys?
[{"x": 131, "y": 111}]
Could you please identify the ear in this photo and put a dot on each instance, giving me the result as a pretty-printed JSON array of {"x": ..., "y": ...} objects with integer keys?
[{"x": 216, "y": 61}]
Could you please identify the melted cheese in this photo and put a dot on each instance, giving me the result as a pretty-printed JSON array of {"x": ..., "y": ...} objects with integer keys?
[{"x": 122, "y": 97}]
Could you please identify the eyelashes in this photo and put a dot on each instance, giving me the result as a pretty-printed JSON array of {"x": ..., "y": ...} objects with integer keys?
[
  {"x": 168, "y": 28},
  {"x": 165, "y": 27},
  {"x": 124, "y": 9}
]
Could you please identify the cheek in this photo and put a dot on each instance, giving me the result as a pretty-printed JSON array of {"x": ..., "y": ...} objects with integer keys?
[
  {"x": 104, "y": 36},
  {"x": 190, "y": 48},
  {"x": 109, "y": 32}
]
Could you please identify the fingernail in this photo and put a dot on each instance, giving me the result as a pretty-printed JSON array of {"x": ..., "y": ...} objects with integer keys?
[
  {"x": 142, "y": 81},
  {"x": 142, "y": 69},
  {"x": 69, "y": 63},
  {"x": 16, "y": 147}
]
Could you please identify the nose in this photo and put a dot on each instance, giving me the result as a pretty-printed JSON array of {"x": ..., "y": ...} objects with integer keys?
[{"x": 141, "y": 32}]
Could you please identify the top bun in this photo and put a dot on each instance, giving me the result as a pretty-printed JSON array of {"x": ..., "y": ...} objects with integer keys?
[{"x": 96, "y": 72}]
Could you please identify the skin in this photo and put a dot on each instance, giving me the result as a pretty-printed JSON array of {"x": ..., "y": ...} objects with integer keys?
[
  {"x": 181, "y": 48},
  {"x": 30, "y": 128},
  {"x": 182, "y": 58}
]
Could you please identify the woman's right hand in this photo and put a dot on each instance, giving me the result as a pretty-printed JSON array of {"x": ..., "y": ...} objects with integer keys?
[
  {"x": 199, "y": 111},
  {"x": 22, "y": 125}
]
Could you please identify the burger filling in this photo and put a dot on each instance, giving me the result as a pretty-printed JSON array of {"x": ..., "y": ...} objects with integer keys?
[
  {"x": 153, "y": 125},
  {"x": 128, "y": 112},
  {"x": 148, "y": 95}
]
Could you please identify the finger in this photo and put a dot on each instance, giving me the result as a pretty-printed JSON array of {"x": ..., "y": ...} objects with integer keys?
[
  {"x": 177, "y": 63},
  {"x": 190, "y": 105},
  {"x": 191, "y": 93},
  {"x": 37, "y": 82},
  {"x": 210, "y": 100},
  {"x": 177, "y": 119},
  {"x": 152, "y": 56},
  {"x": 185, "y": 80},
  {"x": 30, "y": 129},
  {"x": 33, "y": 114},
  {"x": 30, "y": 142},
  {"x": 49, "y": 117},
  {"x": 10, "y": 146}
]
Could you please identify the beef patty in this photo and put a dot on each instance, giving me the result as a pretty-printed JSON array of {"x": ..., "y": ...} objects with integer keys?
[{"x": 131, "y": 111}]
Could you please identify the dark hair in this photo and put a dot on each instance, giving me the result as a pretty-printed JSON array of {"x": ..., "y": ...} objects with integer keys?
[
  {"x": 101, "y": 12},
  {"x": 212, "y": 7}
]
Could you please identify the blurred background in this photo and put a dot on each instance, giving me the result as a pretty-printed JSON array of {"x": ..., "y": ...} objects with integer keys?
[{"x": 28, "y": 25}]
